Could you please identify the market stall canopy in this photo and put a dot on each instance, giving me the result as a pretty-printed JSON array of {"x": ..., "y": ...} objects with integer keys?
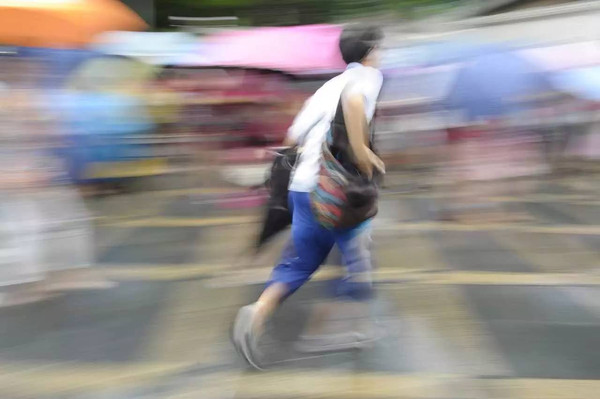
[
  {"x": 62, "y": 23},
  {"x": 311, "y": 49},
  {"x": 203, "y": 54},
  {"x": 157, "y": 48}
]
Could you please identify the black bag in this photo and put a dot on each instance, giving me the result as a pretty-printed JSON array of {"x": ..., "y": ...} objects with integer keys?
[
  {"x": 279, "y": 178},
  {"x": 278, "y": 215}
]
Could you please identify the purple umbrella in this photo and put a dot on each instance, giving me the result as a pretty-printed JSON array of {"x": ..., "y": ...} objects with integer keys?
[{"x": 496, "y": 84}]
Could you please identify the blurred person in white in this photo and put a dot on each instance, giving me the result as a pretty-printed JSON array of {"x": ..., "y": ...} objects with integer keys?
[
  {"x": 357, "y": 89},
  {"x": 68, "y": 241},
  {"x": 21, "y": 220},
  {"x": 32, "y": 206}
]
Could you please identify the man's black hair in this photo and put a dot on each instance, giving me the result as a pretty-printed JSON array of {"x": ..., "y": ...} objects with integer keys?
[{"x": 356, "y": 42}]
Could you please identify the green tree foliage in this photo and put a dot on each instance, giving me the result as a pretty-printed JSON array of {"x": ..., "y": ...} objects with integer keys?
[{"x": 292, "y": 12}]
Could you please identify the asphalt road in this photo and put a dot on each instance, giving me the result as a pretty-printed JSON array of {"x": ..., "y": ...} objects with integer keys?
[{"x": 487, "y": 310}]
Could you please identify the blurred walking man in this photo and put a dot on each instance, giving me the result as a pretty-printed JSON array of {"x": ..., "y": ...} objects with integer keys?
[{"x": 358, "y": 88}]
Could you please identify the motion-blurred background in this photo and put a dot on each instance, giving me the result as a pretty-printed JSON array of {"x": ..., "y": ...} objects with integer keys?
[{"x": 136, "y": 139}]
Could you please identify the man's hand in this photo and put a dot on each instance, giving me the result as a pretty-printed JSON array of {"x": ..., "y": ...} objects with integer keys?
[
  {"x": 288, "y": 142},
  {"x": 376, "y": 162}
]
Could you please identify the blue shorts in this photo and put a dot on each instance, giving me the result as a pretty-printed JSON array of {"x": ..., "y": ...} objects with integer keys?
[{"x": 310, "y": 245}]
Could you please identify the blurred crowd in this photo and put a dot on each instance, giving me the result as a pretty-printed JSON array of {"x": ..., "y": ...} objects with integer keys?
[{"x": 100, "y": 124}]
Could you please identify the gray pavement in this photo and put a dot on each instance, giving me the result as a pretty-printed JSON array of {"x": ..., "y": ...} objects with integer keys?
[{"x": 488, "y": 310}]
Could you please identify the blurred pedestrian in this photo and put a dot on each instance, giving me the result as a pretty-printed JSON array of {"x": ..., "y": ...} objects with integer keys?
[
  {"x": 349, "y": 100},
  {"x": 46, "y": 242},
  {"x": 21, "y": 221}
]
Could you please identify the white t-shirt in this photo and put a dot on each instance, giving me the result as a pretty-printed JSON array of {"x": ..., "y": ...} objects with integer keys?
[{"x": 313, "y": 122}]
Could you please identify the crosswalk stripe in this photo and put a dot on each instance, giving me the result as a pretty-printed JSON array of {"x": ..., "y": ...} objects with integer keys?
[
  {"x": 530, "y": 198},
  {"x": 344, "y": 384},
  {"x": 418, "y": 226},
  {"x": 407, "y": 251},
  {"x": 554, "y": 229},
  {"x": 219, "y": 275},
  {"x": 194, "y": 191},
  {"x": 539, "y": 197},
  {"x": 490, "y": 278},
  {"x": 193, "y": 324},
  {"x": 536, "y": 388},
  {"x": 550, "y": 253},
  {"x": 438, "y": 296},
  {"x": 442, "y": 332},
  {"x": 549, "y": 198},
  {"x": 38, "y": 379},
  {"x": 52, "y": 380},
  {"x": 181, "y": 222},
  {"x": 159, "y": 272}
]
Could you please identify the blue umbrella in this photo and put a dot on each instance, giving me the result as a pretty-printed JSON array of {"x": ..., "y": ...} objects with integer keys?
[
  {"x": 450, "y": 52},
  {"x": 428, "y": 84},
  {"x": 581, "y": 82},
  {"x": 496, "y": 84},
  {"x": 94, "y": 124},
  {"x": 103, "y": 114},
  {"x": 58, "y": 63}
]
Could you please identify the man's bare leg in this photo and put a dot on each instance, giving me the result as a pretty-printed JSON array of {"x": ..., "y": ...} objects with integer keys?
[{"x": 266, "y": 305}]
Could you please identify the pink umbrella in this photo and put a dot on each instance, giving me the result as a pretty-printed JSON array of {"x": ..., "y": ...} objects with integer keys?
[{"x": 297, "y": 50}]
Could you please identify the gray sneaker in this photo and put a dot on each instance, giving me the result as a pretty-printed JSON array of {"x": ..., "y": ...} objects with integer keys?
[
  {"x": 243, "y": 337},
  {"x": 338, "y": 342},
  {"x": 326, "y": 343}
]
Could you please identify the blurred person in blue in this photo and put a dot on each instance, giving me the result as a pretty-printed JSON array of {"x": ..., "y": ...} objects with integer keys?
[
  {"x": 41, "y": 215},
  {"x": 348, "y": 101}
]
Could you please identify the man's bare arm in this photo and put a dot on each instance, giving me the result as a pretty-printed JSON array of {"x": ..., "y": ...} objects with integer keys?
[{"x": 356, "y": 124}]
